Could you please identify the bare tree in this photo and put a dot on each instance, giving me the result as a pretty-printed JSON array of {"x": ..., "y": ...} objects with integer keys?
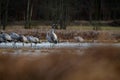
[
  {"x": 29, "y": 14},
  {"x": 0, "y": 11},
  {"x": 96, "y": 25},
  {"x": 63, "y": 14},
  {"x": 4, "y": 13}
]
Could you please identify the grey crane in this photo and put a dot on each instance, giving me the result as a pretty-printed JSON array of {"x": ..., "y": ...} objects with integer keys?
[
  {"x": 23, "y": 39},
  {"x": 33, "y": 39},
  {"x": 51, "y": 36},
  {"x": 6, "y": 37},
  {"x": 1, "y": 38},
  {"x": 15, "y": 37}
]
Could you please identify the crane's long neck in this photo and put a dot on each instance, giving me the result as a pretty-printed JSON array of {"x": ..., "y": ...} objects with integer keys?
[{"x": 52, "y": 31}]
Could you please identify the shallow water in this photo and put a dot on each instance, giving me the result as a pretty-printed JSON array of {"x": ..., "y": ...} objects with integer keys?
[{"x": 52, "y": 45}]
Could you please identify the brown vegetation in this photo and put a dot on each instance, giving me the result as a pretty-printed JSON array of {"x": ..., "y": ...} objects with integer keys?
[
  {"x": 97, "y": 63},
  {"x": 68, "y": 35}
]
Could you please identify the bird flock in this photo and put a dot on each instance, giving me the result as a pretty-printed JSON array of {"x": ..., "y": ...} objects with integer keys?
[{"x": 14, "y": 37}]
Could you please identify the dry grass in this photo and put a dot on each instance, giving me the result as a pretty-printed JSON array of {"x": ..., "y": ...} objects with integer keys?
[
  {"x": 68, "y": 35},
  {"x": 97, "y": 63}
]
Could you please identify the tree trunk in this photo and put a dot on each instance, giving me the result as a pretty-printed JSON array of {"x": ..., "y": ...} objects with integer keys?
[
  {"x": 4, "y": 13},
  {"x": 0, "y": 13},
  {"x": 97, "y": 14},
  {"x": 63, "y": 16},
  {"x": 29, "y": 14},
  {"x": 90, "y": 7}
]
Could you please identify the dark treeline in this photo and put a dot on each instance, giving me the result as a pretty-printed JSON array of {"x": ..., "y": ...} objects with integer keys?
[
  {"x": 58, "y": 11},
  {"x": 76, "y": 9}
]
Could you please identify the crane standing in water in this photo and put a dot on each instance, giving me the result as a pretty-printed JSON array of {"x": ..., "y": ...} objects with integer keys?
[
  {"x": 51, "y": 36},
  {"x": 5, "y": 37},
  {"x": 32, "y": 39}
]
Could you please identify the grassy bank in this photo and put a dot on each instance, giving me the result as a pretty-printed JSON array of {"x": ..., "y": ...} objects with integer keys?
[
  {"x": 74, "y": 27},
  {"x": 105, "y": 34}
]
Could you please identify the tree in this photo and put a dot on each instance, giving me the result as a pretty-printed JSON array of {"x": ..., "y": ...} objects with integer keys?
[
  {"x": 63, "y": 14},
  {"x": 90, "y": 9},
  {"x": 97, "y": 14},
  {"x": 4, "y": 13},
  {"x": 0, "y": 11},
  {"x": 54, "y": 7},
  {"x": 29, "y": 14},
  {"x": 59, "y": 11}
]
